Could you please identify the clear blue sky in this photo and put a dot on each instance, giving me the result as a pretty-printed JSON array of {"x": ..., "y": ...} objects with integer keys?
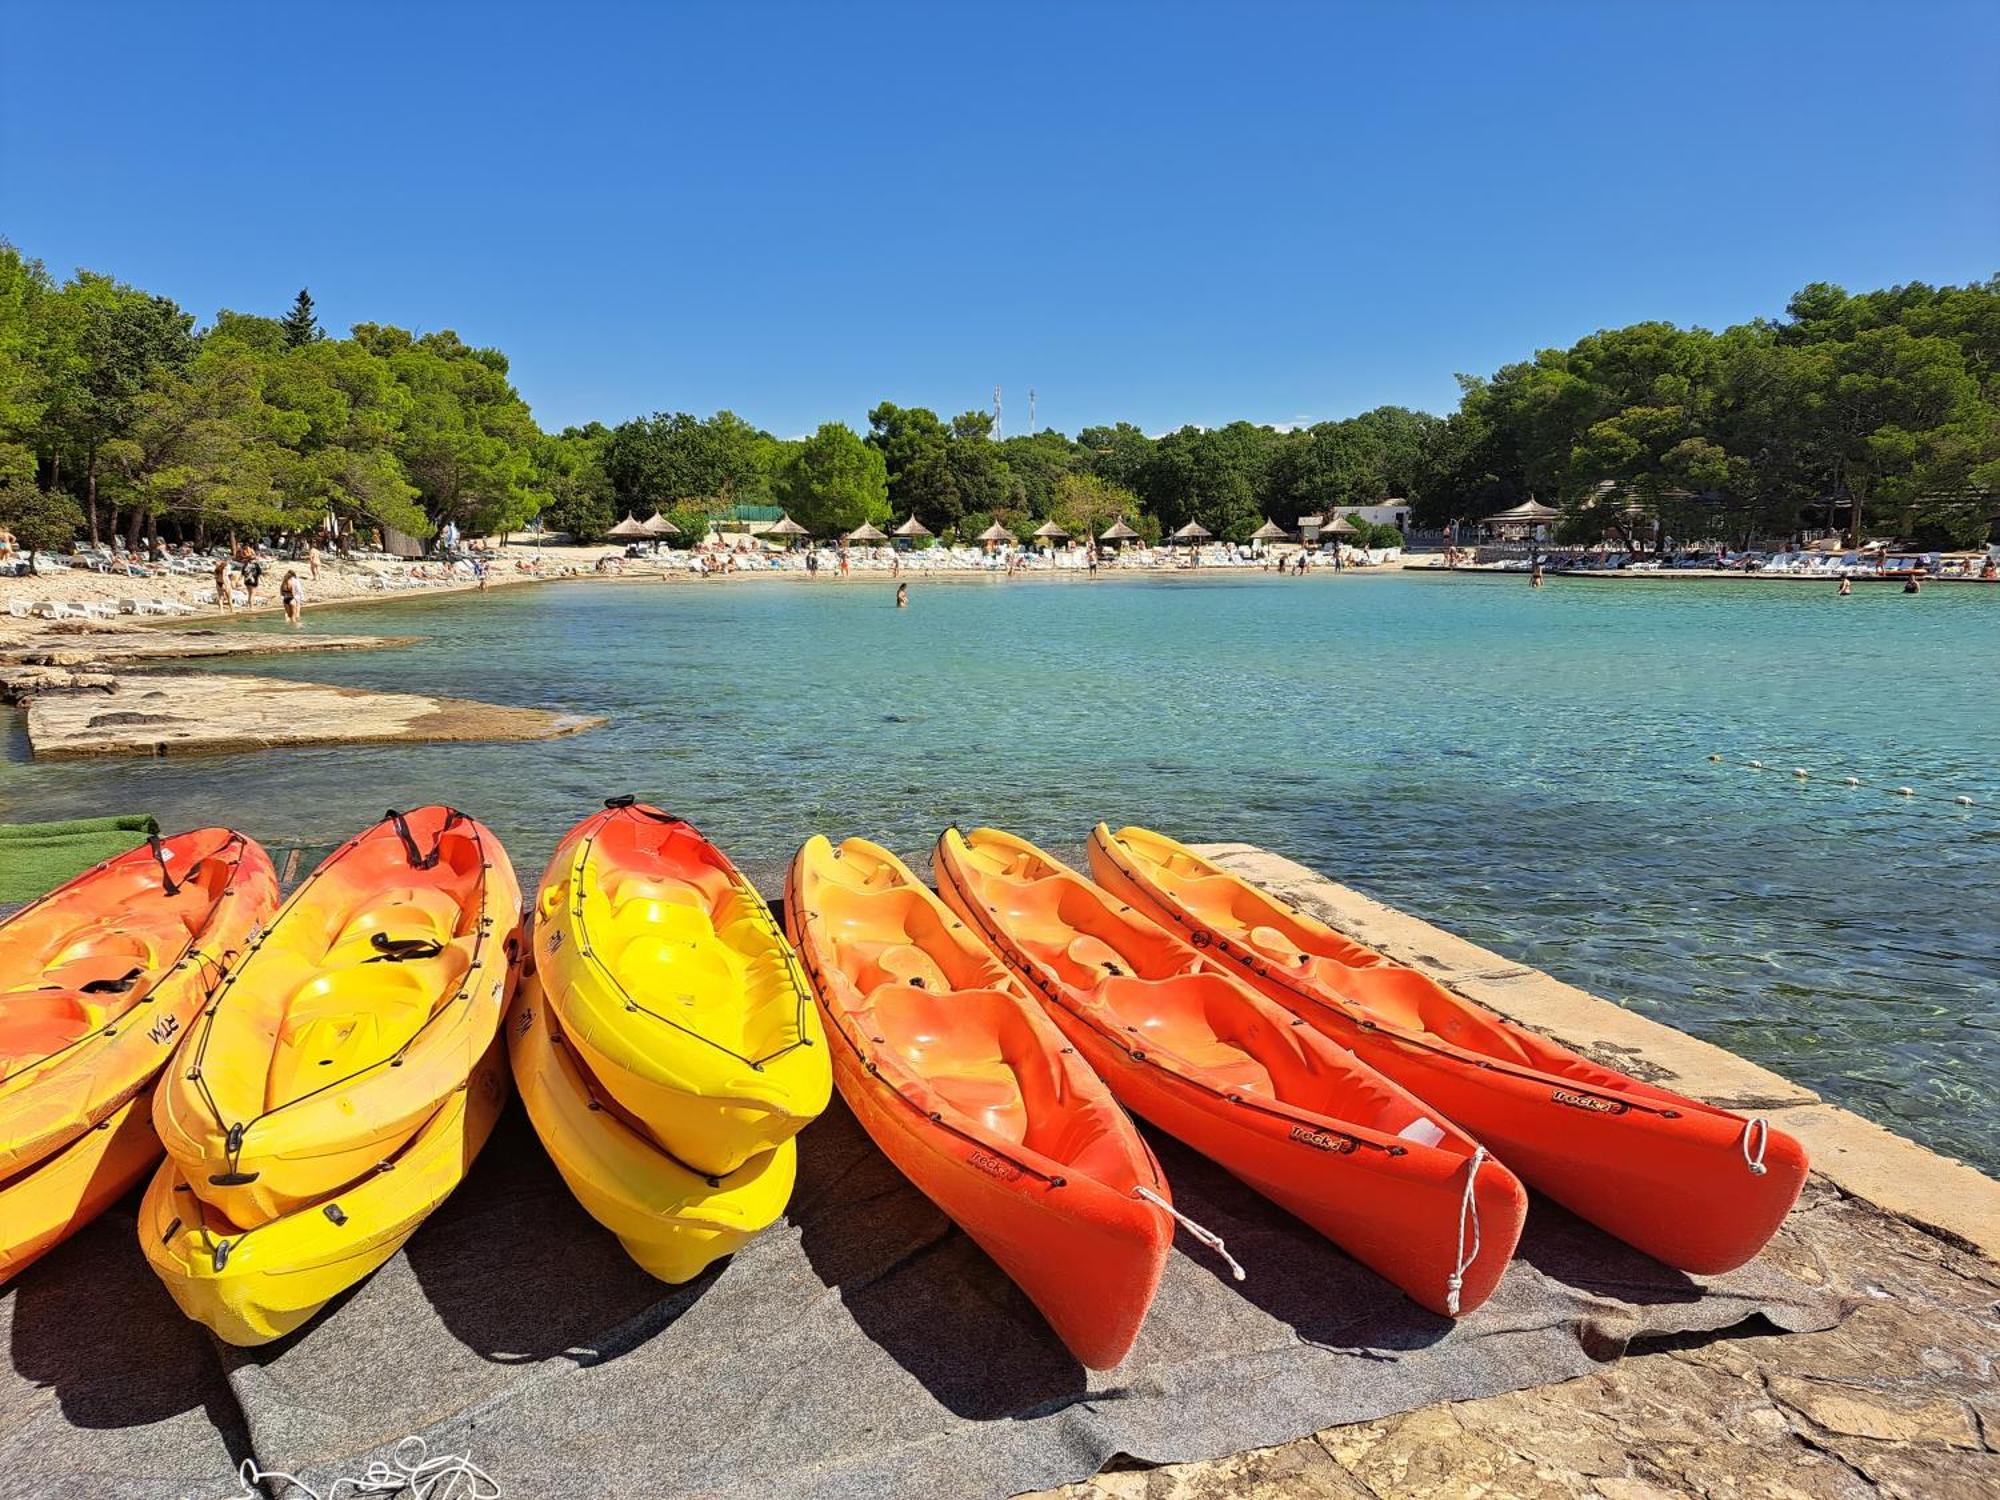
[{"x": 1157, "y": 213}]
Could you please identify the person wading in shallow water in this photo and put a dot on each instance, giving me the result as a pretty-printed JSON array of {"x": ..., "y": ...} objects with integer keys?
[
  {"x": 902, "y": 596},
  {"x": 1846, "y": 587},
  {"x": 1913, "y": 586},
  {"x": 288, "y": 595}
]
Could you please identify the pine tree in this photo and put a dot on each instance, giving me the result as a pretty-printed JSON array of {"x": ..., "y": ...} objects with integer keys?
[{"x": 301, "y": 327}]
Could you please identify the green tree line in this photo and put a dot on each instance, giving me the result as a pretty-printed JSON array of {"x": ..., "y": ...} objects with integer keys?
[{"x": 119, "y": 416}]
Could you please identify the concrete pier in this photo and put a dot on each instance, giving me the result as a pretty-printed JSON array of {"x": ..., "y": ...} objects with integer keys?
[{"x": 1900, "y": 1400}]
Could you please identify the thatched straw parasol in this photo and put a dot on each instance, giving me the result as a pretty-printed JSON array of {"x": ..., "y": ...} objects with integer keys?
[
  {"x": 786, "y": 526},
  {"x": 914, "y": 528},
  {"x": 1120, "y": 533},
  {"x": 1339, "y": 526},
  {"x": 1194, "y": 531},
  {"x": 1270, "y": 531},
  {"x": 1048, "y": 531},
  {"x": 867, "y": 532},
  {"x": 1529, "y": 512},
  {"x": 994, "y": 533},
  {"x": 658, "y": 525},
  {"x": 630, "y": 529}
]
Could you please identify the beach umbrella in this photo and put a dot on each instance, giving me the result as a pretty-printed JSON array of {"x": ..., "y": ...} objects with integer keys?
[
  {"x": 1339, "y": 526},
  {"x": 914, "y": 528},
  {"x": 1270, "y": 531},
  {"x": 631, "y": 528},
  {"x": 1048, "y": 531},
  {"x": 994, "y": 533},
  {"x": 787, "y": 528},
  {"x": 658, "y": 525},
  {"x": 1194, "y": 531},
  {"x": 1120, "y": 533},
  {"x": 866, "y": 532},
  {"x": 1529, "y": 512}
]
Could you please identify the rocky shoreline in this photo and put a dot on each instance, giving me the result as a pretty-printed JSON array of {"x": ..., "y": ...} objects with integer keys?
[{"x": 97, "y": 691}]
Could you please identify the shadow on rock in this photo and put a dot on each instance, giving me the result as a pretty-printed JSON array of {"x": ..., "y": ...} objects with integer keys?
[
  {"x": 918, "y": 1286},
  {"x": 1567, "y": 1249}
]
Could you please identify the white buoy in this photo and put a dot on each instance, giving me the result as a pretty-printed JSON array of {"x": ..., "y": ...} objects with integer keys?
[
  {"x": 1965, "y": 802},
  {"x": 1756, "y": 765},
  {"x": 1800, "y": 771},
  {"x": 1854, "y": 781},
  {"x": 1715, "y": 757},
  {"x": 1903, "y": 791}
]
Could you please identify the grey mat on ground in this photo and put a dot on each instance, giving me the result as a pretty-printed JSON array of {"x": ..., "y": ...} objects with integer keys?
[{"x": 863, "y": 1348}]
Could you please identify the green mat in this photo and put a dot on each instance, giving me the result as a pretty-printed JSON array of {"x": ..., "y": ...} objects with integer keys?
[{"x": 35, "y": 858}]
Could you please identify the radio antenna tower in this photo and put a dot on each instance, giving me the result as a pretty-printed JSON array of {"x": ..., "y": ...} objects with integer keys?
[
  {"x": 996, "y": 412},
  {"x": 1031, "y": 411}
]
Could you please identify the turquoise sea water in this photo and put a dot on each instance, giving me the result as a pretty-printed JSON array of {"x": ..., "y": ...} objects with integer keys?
[{"x": 1526, "y": 767}]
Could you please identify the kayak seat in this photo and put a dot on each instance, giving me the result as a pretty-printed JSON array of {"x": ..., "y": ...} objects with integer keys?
[{"x": 953, "y": 1042}]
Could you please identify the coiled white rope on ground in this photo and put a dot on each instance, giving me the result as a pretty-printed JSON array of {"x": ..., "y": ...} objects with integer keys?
[
  {"x": 1852, "y": 783},
  {"x": 449, "y": 1476},
  {"x": 1207, "y": 1236},
  {"x": 1468, "y": 1208}
]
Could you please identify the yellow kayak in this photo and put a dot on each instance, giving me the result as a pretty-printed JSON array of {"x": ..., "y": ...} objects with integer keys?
[
  {"x": 672, "y": 1220},
  {"x": 362, "y": 1007},
  {"x": 45, "y": 1204},
  {"x": 252, "y": 1285},
  {"x": 680, "y": 995}
]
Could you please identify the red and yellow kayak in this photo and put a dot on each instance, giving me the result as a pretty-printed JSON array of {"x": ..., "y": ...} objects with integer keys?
[
  {"x": 676, "y": 990},
  {"x": 43, "y": 1205},
  {"x": 1208, "y": 1059},
  {"x": 101, "y": 977},
  {"x": 357, "y": 1014},
  {"x": 1698, "y": 1187},
  {"x": 976, "y": 1096}
]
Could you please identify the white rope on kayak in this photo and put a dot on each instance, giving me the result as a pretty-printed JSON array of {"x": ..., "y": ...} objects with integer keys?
[
  {"x": 1468, "y": 1208},
  {"x": 449, "y": 1476},
  {"x": 1207, "y": 1236},
  {"x": 1753, "y": 1156}
]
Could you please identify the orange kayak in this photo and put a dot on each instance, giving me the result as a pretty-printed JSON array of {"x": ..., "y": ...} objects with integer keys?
[
  {"x": 1209, "y": 1060},
  {"x": 45, "y": 1204},
  {"x": 1698, "y": 1187},
  {"x": 363, "y": 1007},
  {"x": 977, "y": 1098},
  {"x": 101, "y": 977}
]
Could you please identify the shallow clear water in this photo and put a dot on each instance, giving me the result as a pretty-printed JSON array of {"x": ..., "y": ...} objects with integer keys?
[{"x": 1526, "y": 767}]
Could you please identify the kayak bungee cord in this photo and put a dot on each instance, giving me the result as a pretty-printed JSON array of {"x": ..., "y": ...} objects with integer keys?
[{"x": 425, "y": 1477}]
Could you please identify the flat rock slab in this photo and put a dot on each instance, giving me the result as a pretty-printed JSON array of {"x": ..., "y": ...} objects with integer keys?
[
  {"x": 79, "y": 645},
  {"x": 206, "y": 714}
]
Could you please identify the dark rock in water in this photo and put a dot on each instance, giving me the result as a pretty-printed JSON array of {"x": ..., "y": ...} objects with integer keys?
[{"x": 894, "y": 719}]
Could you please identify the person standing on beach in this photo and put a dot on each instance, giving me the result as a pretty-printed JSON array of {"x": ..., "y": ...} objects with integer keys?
[
  {"x": 843, "y": 562},
  {"x": 288, "y": 595},
  {"x": 253, "y": 574},
  {"x": 312, "y": 561},
  {"x": 812, "y": 563},
  {"x": 902, "y": 596},
  {"x": 224, "y": 599}
]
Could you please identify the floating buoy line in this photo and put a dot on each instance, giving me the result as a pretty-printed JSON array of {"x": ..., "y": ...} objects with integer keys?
[{"x": 1856, "y": 783}]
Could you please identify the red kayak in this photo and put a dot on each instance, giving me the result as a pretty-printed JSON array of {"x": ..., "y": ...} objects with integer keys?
[
  {"x": 964, "y": 1084},
  {"x": 1206, "y": 1058},
  {"x": 1698, "y": 1187}
]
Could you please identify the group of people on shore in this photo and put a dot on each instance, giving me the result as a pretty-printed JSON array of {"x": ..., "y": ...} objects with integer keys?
[{"x": 249, "y": 568}]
